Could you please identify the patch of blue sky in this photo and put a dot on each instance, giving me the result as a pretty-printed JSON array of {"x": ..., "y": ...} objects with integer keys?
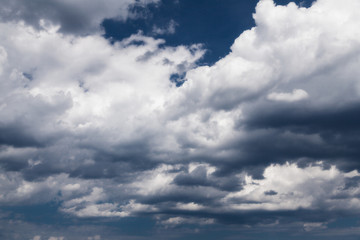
[{"x": 213, "y": 23}]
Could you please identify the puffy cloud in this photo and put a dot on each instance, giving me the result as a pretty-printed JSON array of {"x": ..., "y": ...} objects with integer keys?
[
  {"x": 290, "y": 48},
  {"x": 285, "y": 187},
  {"x": 111, "y": 97},
  {"x": 293, "y": 188},
  {"x": 103, "y": 130}
]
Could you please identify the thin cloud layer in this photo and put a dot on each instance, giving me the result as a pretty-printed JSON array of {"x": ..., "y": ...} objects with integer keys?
[{"x": 102, "y": 130}]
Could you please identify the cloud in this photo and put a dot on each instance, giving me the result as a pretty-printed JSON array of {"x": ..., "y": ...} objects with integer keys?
[
  {"x": 84, "y": 100},
  {"x": 170, "y": 29},
  {"x": 75, "y": 17},
  {"x": 309, "y": 187},
  {"x": 56, "y": 238},
  {"x": 102, "y": 130},
  {"x": 180, "y": 220},
  {"x": 296, "y": 95},
  {"x": 313, "y": 226}
]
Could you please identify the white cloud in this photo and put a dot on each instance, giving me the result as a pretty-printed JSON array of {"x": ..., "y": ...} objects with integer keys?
[
  {"x": 295, "y": 95},
  {"x": 189, "y": 206},
  {"x": 101, "y": 98},
  {"x": 103, "y": 124},
  {"x": 174, "y": 221},
  {"x": 308, "y": 188},
  {"x": 97, "y": 210},
  {"x": 290, "y": 47}
]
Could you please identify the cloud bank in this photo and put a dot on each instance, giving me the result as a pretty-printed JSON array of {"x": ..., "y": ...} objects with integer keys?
[{"x": 103, "y": 130}]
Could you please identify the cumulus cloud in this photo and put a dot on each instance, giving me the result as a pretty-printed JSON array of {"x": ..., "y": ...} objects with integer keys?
[
  {"x": 103, "y": 130},
  {"x": 294, "y": 188}
]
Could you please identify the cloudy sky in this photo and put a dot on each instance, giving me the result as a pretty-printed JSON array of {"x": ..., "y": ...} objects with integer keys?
[{"x": 179, "y": 119}]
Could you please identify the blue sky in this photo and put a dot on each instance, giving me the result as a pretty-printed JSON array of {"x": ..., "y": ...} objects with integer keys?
[
  {"x": 212, "y": 23},
  {"x": 160, "y": 119},
  {"x": 215, "y": 24}
]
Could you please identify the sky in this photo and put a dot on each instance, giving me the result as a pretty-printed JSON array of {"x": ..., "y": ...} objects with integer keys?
[{"x": 179, "y": 119}]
